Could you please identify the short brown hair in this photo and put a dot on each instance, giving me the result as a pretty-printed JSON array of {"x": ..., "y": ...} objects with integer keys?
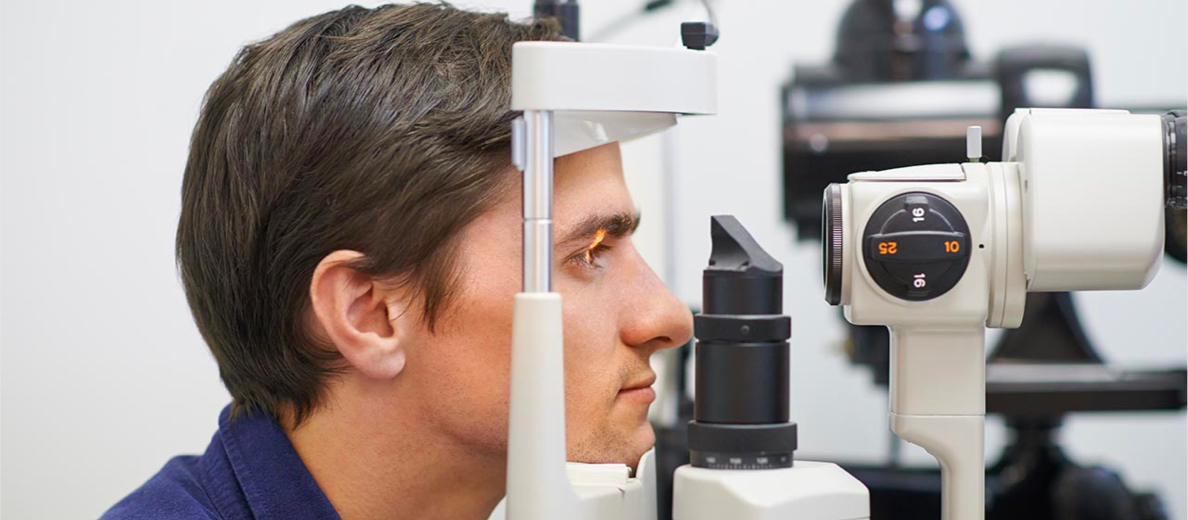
[{"x": 384, "y": 131}]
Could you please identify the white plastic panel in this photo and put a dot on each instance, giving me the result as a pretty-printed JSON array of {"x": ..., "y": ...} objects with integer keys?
[
  {"x": 577, "y": 131},
  {"x": 567, "y": 76},
  {"x": 1092, "y": 198},
  {"x": 926, "y": 172},
  {"x": 808, "y": 490}
]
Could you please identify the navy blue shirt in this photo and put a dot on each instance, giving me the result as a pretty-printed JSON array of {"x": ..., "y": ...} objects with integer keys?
[{"x": 249, "y": 471}]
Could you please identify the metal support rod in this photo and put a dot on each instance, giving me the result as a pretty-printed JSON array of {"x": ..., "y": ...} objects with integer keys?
[{"x": 538, "y": 201}]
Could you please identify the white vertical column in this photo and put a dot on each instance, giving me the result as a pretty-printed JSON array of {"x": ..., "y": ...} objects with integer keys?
[{"x": 538, "y": 201}]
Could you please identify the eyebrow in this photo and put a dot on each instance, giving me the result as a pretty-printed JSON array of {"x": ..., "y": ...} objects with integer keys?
[{"x": 617, "y": 225}]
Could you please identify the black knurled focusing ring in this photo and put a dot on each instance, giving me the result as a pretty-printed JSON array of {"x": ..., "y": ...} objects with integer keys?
[
  {"x": 832, "y": 229},
  {"x": 742, "y": 438},
  {"x": 739, "y": 461}
]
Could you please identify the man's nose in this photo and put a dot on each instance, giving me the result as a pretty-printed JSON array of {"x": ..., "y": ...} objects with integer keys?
[{"x": 654, "y": 319}]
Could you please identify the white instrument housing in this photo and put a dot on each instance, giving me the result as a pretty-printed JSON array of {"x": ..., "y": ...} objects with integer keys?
[
  {"x": 1076, "y": 205},
  {"x": 808, "y": 490},
  {"x": 1093, "y": 214}
]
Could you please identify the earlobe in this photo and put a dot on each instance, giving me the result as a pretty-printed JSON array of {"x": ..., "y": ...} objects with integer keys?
[{"x": 353, "y": 311}]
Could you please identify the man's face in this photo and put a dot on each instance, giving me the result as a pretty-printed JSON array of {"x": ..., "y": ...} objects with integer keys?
[{"x": 616, "y": 315}]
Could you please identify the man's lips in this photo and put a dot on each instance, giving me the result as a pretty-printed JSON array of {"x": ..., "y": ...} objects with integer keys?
[
  {"x": 644, "y": 382},
  {"x": 641, "y": 389}
]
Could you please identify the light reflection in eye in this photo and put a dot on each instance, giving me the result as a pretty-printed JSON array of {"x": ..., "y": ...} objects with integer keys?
[{"x": 598, "y": 238}]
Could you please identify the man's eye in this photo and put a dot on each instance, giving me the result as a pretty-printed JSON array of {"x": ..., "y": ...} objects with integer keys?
[{"x": 589, "y": 258}]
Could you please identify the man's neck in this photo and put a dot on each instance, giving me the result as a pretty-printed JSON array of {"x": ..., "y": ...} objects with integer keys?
[{"x": 376, "y": 460}]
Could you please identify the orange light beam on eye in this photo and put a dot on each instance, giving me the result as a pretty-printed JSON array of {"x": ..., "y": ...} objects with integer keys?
[{"x": 598, "y": 238}]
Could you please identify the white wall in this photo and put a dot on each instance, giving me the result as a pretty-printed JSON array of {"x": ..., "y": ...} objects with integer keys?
[{"x": 104, "y": 376}]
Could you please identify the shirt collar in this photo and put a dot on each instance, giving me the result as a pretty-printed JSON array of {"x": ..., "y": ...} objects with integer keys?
[{"x": 273, "y": 478}]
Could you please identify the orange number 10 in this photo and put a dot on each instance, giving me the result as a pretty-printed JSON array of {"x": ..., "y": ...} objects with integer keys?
[{"x": 952, "y": 246}]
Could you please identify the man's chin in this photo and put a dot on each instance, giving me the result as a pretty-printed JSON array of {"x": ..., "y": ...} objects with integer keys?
[
  {"x": 623, "y": 446},
  {"x": 642, "y": 440}
]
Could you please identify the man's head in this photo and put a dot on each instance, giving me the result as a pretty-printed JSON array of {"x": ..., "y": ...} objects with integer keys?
[{"x": 350, "y": 230}]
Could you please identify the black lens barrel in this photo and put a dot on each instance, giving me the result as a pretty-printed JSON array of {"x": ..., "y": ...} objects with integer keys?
[{"x": 740, "y": 414}]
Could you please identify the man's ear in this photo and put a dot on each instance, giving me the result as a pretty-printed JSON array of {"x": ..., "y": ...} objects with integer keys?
[{"x": 364, "y": 318}]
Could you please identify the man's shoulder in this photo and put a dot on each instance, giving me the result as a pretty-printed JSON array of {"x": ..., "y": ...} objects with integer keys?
[{"x": 177, "y": 492}]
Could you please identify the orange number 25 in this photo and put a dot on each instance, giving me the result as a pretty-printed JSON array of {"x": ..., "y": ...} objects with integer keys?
[{"x": 888, "y": 248}]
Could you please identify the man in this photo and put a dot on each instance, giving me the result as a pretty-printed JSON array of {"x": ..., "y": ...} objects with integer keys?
[{"x": 349, "y": 244}]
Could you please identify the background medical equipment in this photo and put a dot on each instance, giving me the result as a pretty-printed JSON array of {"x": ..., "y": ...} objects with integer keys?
[
  {"x": 937, "y": 253},
  {"x": 900, "y": 90}
]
